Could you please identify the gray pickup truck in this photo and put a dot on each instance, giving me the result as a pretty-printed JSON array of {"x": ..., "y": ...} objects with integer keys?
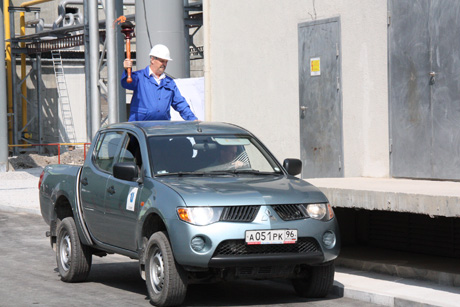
[{"x": 193, "y": 202}]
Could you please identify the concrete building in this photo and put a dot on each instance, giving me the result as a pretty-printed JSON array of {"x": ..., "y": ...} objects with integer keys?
[{"x": 364, "y": 92}]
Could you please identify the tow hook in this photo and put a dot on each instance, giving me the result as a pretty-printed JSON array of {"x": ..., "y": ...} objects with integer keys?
[{"x": 48, "y": 234}]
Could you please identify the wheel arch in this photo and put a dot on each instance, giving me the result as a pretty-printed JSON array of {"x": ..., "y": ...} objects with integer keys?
[
  {"x": 153, "y": 222},
  {"x": 63, "y": 208}
]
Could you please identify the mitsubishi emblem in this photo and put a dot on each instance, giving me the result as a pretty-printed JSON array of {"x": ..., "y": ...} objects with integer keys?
[{"x": 268, "y": 215}]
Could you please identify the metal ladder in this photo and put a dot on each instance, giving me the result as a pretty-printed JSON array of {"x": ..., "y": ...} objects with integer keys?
[{"x": 64, "y": 101}]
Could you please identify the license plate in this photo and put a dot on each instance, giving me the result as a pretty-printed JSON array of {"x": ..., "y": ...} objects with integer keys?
[{"x": 277, "y": 236}]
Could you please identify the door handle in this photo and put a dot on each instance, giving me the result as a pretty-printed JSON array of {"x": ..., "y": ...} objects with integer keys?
[
  {"x": 432, "y": 77},
  {"x": 84, "y": 181},
  {"x": 111, "y": 190},
  {"x": 303, "y": 109}
]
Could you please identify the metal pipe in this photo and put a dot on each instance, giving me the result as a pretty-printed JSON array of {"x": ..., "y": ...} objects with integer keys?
[
  {"x": 207, "y": 64},
  {"x": 121, "y": 92},
  {"x": 111, "y": 62},
  {"x": 13, "y": 88},
  {"x": 93, "y": 63},
  {"x": 22, "y": 24},
  {"x": 87, "y": 71},
  {"x": 162, "y": 22},
  {"x": 3, "y": 103},
  {"x": 64, "y": 3},
  {"x": 39, "y": 98},
  {"x": 9, "y": 89},
  {"x": 22, "y": 32}
]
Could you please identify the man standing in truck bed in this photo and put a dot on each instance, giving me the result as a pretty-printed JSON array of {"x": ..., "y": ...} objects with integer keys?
[{"x": 154, "y": 91}]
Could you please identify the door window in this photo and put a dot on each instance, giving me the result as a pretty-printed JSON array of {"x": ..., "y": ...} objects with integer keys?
[
  {"x": 130, "y": 151},
  {"x": 107, "y": 149}
]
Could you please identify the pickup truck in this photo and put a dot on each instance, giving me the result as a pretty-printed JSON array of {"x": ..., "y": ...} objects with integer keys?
[{"x": 193, "y": 202}]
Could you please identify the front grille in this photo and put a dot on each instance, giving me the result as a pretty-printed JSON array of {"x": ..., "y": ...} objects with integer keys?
[
  {"x": 239, "y": 247},
  {"x": 239, "y": 214},
  {"x": 290, "y": 212}
]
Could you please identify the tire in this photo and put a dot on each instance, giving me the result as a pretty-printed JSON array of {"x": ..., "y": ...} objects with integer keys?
[
  {"x": 73, "y": 258},
  {"x": 317, "y": 283},
  {"x": 165, "y": 279}
]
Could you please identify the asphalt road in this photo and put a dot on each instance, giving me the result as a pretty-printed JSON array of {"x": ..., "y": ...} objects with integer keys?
[{"x": 29, "y": 277}]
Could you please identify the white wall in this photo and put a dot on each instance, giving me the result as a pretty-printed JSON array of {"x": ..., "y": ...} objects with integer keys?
[
  {"x": 251, "y": 73},
  {"x": 76, "y": 84}
]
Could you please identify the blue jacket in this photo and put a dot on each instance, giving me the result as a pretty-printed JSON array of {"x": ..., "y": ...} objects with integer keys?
[{"x": 152, "y": 101}]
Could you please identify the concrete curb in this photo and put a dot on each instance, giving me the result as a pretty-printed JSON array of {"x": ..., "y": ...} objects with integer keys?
[
  {"x": 450, "y": 279},
  {"x": 392, "y": 290},
  {"x": 376, "y": 298}
]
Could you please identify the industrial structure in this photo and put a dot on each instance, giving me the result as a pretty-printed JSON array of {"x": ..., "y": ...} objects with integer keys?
[
  {"x": 366, "y": 93},
  {"x": 48, "y": 65}
]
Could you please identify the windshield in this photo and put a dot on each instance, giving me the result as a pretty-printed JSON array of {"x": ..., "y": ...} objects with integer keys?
[{"x": 209, "y": 154}]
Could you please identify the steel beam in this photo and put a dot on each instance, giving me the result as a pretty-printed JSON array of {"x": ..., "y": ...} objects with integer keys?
[
  {"x": 112, "y": 77},
  {"x": 3, "y": 102},
  {"x": 93, "y": 63}
]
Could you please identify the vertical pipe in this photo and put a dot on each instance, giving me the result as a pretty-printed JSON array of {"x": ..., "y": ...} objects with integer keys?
[
  {"x": 120, "y": 56},
  {"x": 162, "y": 22},
  {"x": 6, "y": 15},
  {"x": 207, "y": 61},
  {"x": 111, "y": 62},
  {"x": 13, "y": 88},
  {"x": 3, "y": 101},
  {"x": 87, "y": 72},
  {"x": 94, "y": 70},
  {"x": 22, "y": 23},
  {"x": 38, "y": 61},
  {"x": 22, "y": 32}
]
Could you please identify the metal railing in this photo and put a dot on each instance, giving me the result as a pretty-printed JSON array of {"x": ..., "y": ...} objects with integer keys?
[{"x": 85, "y": 145}]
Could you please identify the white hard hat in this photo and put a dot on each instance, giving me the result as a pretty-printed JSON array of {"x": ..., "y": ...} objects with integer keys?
[{"x": 160, "y": 51}]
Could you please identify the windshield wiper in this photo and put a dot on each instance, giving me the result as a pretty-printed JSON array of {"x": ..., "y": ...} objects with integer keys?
[
  {"x": 244, "y": 171},
  {"x": 180, "y": 174},
  {"x": 255, "y": 172}
]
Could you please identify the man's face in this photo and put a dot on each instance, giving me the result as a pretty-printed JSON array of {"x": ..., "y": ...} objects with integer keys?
[
  {"x": 158, "y": 65},
  {"x": 228, "y": 153}
]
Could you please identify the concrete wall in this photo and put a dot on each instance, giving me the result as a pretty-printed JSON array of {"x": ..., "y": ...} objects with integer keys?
[
  {"x": 251, "y": 70},
  {"x": 51, "y": 121}
]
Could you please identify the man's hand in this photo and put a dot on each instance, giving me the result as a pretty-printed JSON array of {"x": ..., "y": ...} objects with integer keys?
[
  {"x": 127, "y": 63},
  {"x": 238, "y": 164}
]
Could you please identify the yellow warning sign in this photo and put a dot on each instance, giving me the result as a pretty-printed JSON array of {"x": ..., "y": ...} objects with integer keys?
[{"x": 315, "y": 67}]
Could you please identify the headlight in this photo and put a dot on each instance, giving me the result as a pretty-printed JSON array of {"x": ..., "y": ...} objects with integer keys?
[
  {"x": 320, "y": 211},
  {"x": 200, "y": 215}
]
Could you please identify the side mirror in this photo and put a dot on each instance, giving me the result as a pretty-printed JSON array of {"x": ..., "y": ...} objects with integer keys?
[
  {"x": 293, "y": 166},
  {"x": 126, "y": 171}
]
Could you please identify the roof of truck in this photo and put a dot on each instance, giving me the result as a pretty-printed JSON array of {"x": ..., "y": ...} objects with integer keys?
[{"x": 152, "y": 128}]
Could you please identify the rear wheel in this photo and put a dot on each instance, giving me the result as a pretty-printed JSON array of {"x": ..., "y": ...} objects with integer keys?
[
  {"x": 165, "y": 279},
  {"x": 73, "y": 258},
  {"x": 317, "y": 283}
]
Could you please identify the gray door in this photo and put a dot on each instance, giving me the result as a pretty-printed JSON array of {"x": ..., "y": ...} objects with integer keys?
[
  {"x": 424, "y": 55},
  {"x": 122, "y": 203},
  {"x": 320, "y": 106}
]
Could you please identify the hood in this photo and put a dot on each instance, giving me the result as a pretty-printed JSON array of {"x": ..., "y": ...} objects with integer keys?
[{"x": 243, "y": 190}]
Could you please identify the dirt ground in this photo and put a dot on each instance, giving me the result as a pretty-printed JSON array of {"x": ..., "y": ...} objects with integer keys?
[{"x": 32, "y": 160}]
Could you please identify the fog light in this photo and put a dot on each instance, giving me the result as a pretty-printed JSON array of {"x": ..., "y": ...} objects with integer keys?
[
  {"x": 197, "y": 244},
  {"x": 329, "y": 239}
]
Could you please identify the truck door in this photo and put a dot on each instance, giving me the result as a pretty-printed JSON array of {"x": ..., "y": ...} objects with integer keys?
[
  {"x": 93, "y": 182},
  {"x": 122, "y": 200}
]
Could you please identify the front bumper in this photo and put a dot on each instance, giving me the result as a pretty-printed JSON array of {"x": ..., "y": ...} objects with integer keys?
[{"x": 225, "y": 246}]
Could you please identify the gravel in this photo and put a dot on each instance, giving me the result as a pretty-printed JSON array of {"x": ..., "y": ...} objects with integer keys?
[{"x": 34, "y": 160}]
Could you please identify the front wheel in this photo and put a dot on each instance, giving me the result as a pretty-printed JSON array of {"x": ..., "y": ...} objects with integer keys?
[
  {"x": 73, "y": 258},
  {"x": 165, "y": 279},
  {"x": 317, "y": 283}
]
